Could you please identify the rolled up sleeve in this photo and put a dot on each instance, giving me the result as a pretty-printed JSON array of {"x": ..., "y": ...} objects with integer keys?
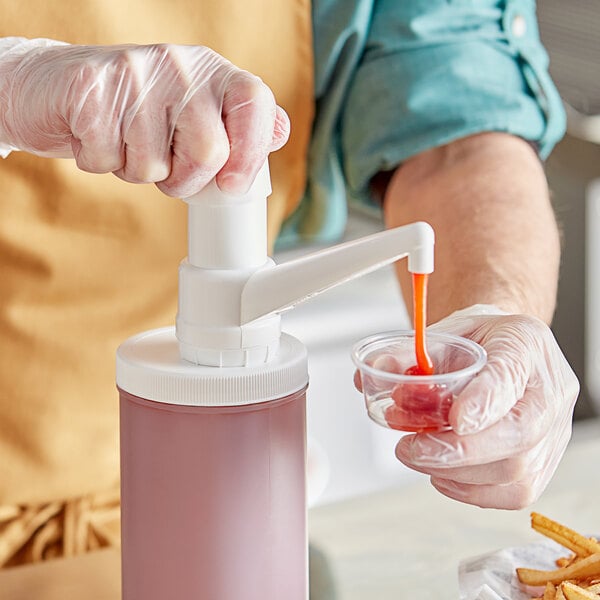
[
  {"x": 435, "y": 71},
  {"x": 394, "y": 78}
]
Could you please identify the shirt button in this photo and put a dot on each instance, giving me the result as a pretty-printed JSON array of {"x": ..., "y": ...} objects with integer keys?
[{"x": 518, "y": 26}]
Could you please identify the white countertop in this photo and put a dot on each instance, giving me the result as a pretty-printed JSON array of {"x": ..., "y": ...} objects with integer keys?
[{"x": 408, "y": 542}]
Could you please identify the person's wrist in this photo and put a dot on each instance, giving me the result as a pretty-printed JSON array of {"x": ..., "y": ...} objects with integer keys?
[{"x": 479, "y": 310}]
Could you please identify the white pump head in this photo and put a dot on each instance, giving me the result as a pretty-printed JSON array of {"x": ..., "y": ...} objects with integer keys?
[{"x": 231, "y": 293}]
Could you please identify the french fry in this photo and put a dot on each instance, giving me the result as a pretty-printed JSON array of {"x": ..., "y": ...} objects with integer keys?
[
  {"x": 582, "y": 569},
  {"x": 577, "y": 576},
  {"x": 549, "y": 592},
  {"x": 575, "y": 592},
  {"x": 565, "y": 561},
  {"x": 566, "y": 537}
]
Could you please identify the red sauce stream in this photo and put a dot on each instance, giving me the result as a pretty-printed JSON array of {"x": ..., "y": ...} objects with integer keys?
[
  {"x": 424, "y": 364},
  {"x": 419, "y": 406}
]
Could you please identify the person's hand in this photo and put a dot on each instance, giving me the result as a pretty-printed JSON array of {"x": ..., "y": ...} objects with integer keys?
[
  {"x": 173, "y": 115},
  {"x": 510, "y": 425}
]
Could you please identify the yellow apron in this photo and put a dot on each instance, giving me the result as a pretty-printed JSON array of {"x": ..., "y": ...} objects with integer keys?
[{"x": 87, "y": 260}]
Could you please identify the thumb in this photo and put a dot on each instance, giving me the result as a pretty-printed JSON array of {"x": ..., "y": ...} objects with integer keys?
[
  {"x": 496, "y": 389},
  {"x": 255, "y": 126}
]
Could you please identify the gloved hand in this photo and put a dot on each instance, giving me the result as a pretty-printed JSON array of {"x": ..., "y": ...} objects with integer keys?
[
  {"x": 512, "y": 422},
  {"x": 174, "y": 115}
]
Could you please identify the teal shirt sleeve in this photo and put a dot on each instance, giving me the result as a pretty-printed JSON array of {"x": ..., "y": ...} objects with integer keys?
[{"x": 396, "y": 77}]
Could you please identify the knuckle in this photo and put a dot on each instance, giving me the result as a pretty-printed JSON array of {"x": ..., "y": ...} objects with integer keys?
[
  {"x": 93, "y": 160},
  {"x": 120, "y": 61},
  {"x": 535, "y": 327},
  {"x": 573, "y": 385},
  {"x": 191, "y": 170},
  {"x": 208, "y": 157},
  {"x": 540, "y": 329},
  {"x": 180, "y": 186},
  {"x": 147, "y": 172},
  {"x": 252, "y": 91}
]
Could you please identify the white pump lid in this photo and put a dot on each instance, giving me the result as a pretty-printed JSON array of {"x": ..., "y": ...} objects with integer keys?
[
  {"x": 227, "y": 244},
  {"x": 149, "y": 366},
  {"x": 231, "y": 292}
]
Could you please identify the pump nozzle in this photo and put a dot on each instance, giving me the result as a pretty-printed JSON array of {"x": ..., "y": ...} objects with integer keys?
[
  {"x": 281, "y": 287},
  {"x": 231, "y": 293}
]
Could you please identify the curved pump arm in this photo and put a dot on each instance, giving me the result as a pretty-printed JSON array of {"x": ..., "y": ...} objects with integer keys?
[{"x": 273, "y": 289}]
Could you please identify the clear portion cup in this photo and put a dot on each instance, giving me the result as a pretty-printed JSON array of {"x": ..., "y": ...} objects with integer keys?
[{"x": 409, "y": 402}]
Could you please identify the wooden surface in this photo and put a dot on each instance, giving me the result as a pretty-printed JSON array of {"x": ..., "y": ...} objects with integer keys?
[{"x": 403, "y": 543}]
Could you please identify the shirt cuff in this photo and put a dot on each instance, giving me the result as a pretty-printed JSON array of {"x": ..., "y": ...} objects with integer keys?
[{"x": 420, "y": 91}]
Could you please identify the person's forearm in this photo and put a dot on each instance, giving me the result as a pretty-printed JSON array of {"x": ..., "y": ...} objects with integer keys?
[{"x": 497, "y": 241}]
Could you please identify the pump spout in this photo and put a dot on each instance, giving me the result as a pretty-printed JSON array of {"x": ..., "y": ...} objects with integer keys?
[{"x": 274, "y": 289}]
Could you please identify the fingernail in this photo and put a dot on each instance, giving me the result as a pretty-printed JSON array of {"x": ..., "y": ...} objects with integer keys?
[
  {"x": 233, "y": 183},
  {"x": 154, "y": 171}
]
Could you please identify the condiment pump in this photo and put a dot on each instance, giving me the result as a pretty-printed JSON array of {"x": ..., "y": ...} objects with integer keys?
[{"x": 212, "y": 411}]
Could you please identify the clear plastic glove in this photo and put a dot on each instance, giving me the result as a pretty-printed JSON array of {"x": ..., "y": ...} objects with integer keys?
[
  {"x": 173, "y": 115},
  {"x": 511, "y": 424}
]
